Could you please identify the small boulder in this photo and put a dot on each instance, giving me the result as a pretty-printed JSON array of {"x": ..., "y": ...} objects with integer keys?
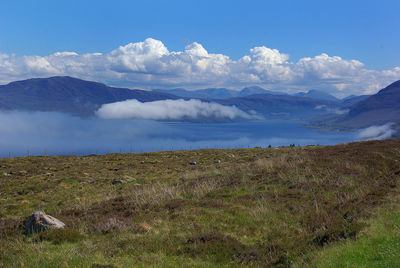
[{"x": 40, "y": 221}]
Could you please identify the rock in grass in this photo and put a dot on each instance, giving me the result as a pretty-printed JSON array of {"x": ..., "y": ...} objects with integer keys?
[
  {"x": 40, "y": 221},
  {"x": 122, "y": 181}
]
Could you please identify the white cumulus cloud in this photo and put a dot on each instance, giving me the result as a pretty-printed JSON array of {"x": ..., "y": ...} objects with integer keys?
[
  {"x": 171, "y": 110},
  {"x": 149, "y": 64}
]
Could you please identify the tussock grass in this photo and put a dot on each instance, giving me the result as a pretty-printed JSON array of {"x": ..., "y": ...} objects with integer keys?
[
  {"x": 252, "y": 207},
  {"x": 378, "y": 245}
]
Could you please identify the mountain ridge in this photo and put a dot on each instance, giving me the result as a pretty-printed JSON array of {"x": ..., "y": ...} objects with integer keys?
[
  {"x": 317, "y": 94},
  {"x": 68, "y": 94},
  {"x": 80, "y": 97},
  {"x": 378, "y": 109},
  {"x": 218, "y": 93}
]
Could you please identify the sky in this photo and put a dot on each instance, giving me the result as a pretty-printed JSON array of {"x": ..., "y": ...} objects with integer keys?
[{"x": 341, "y": 47}]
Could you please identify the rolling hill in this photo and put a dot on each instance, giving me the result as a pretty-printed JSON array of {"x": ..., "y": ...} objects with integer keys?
[{"x": 67, "y": 94}]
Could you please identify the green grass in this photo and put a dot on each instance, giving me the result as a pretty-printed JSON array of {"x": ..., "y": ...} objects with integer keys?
[
  {"x": 315, "y": 206},
  {"x": 377, "y": 246}
]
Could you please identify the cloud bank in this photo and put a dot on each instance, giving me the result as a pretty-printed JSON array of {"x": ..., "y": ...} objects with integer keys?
[
  {"x": 171, "y": 110},
  {"x": 382, "y": 132},
  {"x": 41, "y": 133},
  {"x": 51, "y": 133},
  {"x": 149, "y": 64}
]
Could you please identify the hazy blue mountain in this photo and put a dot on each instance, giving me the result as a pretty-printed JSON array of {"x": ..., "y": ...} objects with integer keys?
[
  {"x": 281, "y": 106},
  {"x": 79, "y": 97},
  {"x": 247, "y": 91},
  {"x": 353, "y": 100},
  {"x": 223, "y": 93},
  {"x": 316, "y": 94},
  {"x": 387, "y": 98},
  {"x": 270, "y": 104},
  {"x": 208, "y": 93},
  {"x": 217, "y": 93},
  {"x": 67, "y": 94},
  {"x": 377, "y": 109}
]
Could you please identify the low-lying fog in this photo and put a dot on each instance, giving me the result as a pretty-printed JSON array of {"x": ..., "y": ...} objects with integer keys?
[{"x": 41, "y": 133}]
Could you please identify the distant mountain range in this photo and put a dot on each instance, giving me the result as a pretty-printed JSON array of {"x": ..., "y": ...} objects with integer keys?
[
  {"x": 313, "y": 104},
  {"x": 223, "y": 93},
  {"x": 217, "y": 93},
  {"x": 284, "y": 107},
  {"x": 318, "y": 95},
  {"x": 68, "y": 95},
  {"x": 83, "y": 98}
]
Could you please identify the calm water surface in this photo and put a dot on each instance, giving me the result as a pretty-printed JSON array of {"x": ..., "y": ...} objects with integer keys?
[
  {"x": 245, "y": 134},
  {"x": 63, "y": 135}
]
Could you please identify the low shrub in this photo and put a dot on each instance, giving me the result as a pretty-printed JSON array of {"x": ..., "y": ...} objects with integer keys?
[
  {"x": 223, "y": 248},
  {"x": 58, "y": 236},
  {"x": 109, "y": 225}
]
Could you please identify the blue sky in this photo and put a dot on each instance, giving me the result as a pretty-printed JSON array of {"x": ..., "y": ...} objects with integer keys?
[{"x": 366, "y": 31}]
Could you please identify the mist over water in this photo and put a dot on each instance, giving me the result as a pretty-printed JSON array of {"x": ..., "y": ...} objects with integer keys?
[
  {"x": 381, "y": 132},
  {"x": 43, "y": 133}
]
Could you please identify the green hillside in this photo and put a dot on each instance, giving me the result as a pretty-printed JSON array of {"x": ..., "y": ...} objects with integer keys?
[{"x": 315, "y": 206}]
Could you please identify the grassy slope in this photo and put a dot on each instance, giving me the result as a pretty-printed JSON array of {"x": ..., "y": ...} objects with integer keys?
[
  {"x": 260, "y": 207},
  {"x": 377, "y": 246}
]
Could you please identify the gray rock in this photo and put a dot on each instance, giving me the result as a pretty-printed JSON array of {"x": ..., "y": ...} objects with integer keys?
[{"x": 40, "y": 221}]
